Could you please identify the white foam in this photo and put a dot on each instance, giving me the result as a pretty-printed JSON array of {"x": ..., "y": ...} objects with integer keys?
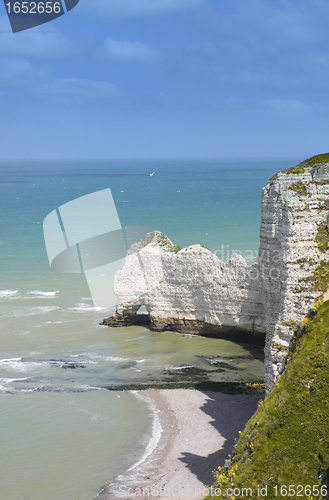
[
  {"x": 116, "y": 358},
  {"x": 7, "y": 293},
  {"x": 169, "y": 367},
  {"x": 8, "y": 380},
  {"x": 39, "y": 294},
  {"x": 156, "y": 430},
  {"x": 85, "y": 387},
  {"x": 214, "y": 361},
  {"x": 139, "y": 465},
  {"x": 106, "y": 358},
  {"x": 32, "y": 311},
  {"x": 85, "y": 308},
  {"x": 7, "y": 360},
  {"x": 17, "y": 365}
]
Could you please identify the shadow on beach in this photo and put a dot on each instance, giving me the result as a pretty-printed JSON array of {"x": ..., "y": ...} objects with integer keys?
[{"x": 229, "y": 415}]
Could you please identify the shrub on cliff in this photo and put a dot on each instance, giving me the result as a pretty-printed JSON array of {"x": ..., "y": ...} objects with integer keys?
[{"x": 286, "y": 442}]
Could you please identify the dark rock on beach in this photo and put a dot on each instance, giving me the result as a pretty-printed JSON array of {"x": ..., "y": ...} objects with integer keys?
[{"x": 126, "y": 319}]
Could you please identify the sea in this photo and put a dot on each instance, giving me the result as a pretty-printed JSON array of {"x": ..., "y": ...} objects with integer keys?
[{"x": 67, "y": 430}]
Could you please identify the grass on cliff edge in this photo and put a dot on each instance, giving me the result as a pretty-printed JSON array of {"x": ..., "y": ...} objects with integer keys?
[
  {"x": 300, "y": 168},
  {"x": 286, "y": 442}
]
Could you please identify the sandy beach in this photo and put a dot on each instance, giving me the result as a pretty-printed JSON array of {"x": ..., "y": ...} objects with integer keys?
[{"x": 198, "y": 432}]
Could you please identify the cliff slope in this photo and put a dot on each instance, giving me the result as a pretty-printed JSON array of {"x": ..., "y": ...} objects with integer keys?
[{"x": 286, "y": 441}]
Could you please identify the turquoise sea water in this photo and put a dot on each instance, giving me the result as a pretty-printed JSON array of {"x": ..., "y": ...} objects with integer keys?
[{"x": 63, "y": 434}]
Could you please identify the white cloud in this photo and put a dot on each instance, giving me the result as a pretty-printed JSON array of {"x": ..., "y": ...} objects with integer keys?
[
  {"x": 123, "y": 51},
  {"x": 81, "y": 88},
  {"x": 113, "y": 9},
  {"x": 32, "y": 43},
  {"x": 289, "y": 105}
]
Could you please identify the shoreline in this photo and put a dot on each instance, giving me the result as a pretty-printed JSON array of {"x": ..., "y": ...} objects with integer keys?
[{"x": 198, "y": 432}]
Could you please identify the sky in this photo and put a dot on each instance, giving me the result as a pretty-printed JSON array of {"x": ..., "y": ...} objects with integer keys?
[{"x": 167, "y": 79}]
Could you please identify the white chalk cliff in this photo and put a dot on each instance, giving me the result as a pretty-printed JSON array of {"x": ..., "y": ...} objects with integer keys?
[
  {"x": 191, "y": 290},
  {"x": 292, "y": 255}
]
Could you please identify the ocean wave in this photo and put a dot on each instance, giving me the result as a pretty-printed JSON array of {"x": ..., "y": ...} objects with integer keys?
[
  {"x": 38, "y": 294},
  {"x": 116, "y": 358},
  {"x": 85, "y": 308},
  {"x": 32, "y": 311},
  {"x": 7, "y": 293},
  {"x": 156, "y": 429},
  {"x": 89, "y": 388},
  {"x": 8, "y": 360},
  {"x": 18, "y": 365},
  {"x": 24, "y": 365},
  {"x": 8, "y": 380},
  {"x": 138, "y": 469},
  {"x": 171, "y": 367},
  {"x": 103, "y": 357}
]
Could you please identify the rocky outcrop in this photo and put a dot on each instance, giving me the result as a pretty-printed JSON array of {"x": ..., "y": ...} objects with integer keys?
[
  {"x": 191, "y": 291},
  {"x": 126, "y": 319}
]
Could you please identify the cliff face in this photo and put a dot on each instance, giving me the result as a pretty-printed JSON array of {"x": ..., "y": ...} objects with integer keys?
[
  {"x": 191, "y": 290},
  {"x": 293, "y": 248}
]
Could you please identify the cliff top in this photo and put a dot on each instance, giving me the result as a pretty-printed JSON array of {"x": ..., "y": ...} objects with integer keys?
[
  {"x": 316, "y": 160},
  {"x": 154, "y": 238}
]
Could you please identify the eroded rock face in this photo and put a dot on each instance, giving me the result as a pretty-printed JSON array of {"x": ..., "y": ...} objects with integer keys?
[
  {"x": 192, "y": 291},
  {"x": 294, "y": 209}
]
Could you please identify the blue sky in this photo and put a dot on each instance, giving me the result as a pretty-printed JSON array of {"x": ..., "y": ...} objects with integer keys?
[{"x": 168, "y": 79}]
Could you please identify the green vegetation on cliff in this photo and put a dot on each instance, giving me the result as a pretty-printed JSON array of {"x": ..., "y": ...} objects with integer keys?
[
  {"x": 299, "y": 188},
  {"x": 286, "y": 442},
  {"x": 310, "y": 162},
  {"x": 165, "y": 242},
  {"x": 322, "y": 237},
  {"x": 320, "y": 277},
  {"x": 300, "y": 168}
]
